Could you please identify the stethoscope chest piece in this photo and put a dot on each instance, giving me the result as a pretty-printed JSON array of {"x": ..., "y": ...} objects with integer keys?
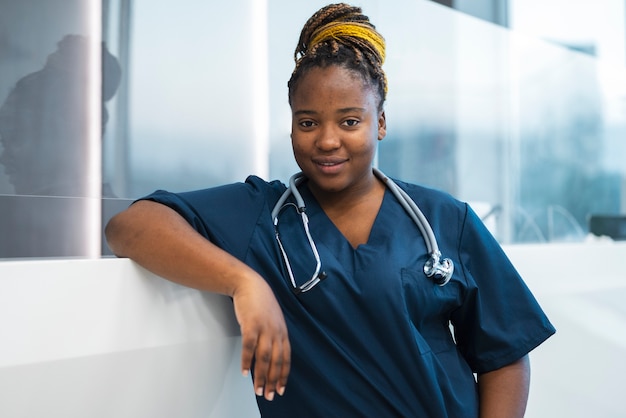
[{"x": 439, "y": 270}]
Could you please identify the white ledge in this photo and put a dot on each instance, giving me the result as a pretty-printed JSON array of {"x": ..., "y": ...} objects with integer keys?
[{"x": 105, "y": 338}]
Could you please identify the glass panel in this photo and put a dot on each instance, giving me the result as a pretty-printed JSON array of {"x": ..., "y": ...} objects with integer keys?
[
  {"x": 49, "y": 155},
  {"x": 189, "y": 119},
  {"x": 530, "y": 132},
  {"x": 495, "y": 11}
]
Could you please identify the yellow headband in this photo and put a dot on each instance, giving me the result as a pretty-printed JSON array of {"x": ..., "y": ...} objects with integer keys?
[{"x": 337, "y": 29}]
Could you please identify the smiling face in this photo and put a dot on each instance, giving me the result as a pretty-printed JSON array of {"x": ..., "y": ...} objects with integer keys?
[{"x": 336, "y": 125}]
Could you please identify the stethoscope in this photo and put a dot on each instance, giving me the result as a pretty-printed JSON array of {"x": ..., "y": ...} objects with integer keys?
[{"x": 440, "y": 270}]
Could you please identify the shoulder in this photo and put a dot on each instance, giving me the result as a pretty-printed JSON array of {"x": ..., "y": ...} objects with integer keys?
[
  {"x": 254, "y": 189},
  {"x": 227, "y": 215},
  {"x": 447, "y": 216},
  {"x": 433, "y": 200},
  {"x": 253, "y": 185},
  {"x": 222, "y": 205}
]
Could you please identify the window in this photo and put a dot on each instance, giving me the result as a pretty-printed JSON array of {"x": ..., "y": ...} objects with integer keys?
[{"x": 526, "y": 125}]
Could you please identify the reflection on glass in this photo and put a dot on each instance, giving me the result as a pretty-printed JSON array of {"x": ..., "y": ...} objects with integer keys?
[
  {"x": 44, "y": 135},
  {"x": 43, "y": 123}
]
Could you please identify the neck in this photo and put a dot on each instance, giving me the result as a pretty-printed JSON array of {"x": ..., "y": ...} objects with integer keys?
[
  {"x": 353, "y": 212},
  {"x": 370, "y": 189}
]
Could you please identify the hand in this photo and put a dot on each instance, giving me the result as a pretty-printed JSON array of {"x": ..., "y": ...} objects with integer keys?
[
  {"x": 159, "y": 239},
  {"x": 264, "y": 337}
]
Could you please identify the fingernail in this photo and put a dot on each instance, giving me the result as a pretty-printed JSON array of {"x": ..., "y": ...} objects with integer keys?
[
  {"x": 259, "y": 391},
  {"x": 281, "y": 390},
  {"x": 245, "y": 372},
  {"x": 270, "y": 396}
]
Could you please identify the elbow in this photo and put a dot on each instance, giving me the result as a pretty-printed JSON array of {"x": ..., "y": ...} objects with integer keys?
[
  {"x": 131, "y": 231},
  {"x": 114, "y": 232}
]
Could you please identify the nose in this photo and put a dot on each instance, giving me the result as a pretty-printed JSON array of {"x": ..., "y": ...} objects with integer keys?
[{"x": 329, "y": 139}]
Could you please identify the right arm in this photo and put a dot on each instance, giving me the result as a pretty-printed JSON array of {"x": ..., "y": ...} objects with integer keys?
[{"x": 162, "y": 241}]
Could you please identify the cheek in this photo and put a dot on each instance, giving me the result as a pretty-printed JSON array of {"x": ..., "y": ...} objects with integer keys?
[
  {"x": 368, "y": 146},
  {"x": 299, "y": 142},
  {"x": 299, "y": 155},
  {"x": 296, "y": 146}
]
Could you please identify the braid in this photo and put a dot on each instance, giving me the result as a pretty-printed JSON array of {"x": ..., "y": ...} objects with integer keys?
[
  {"x": 332, "y": 13},
  {"x": 339, "y": 34}
]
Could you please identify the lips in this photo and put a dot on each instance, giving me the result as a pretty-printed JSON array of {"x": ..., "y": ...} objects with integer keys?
[
  {"x": 329, "y": 162},
  {"x": 329, "y": 166}
]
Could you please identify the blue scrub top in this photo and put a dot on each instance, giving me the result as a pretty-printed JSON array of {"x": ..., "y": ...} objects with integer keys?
[{"x": 377, "y": 338}]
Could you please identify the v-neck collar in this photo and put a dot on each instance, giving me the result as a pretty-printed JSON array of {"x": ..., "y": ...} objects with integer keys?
[{"x": 325, "y": 232}]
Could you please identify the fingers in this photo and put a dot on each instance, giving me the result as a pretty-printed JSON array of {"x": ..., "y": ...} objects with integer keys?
[
  {"x": 264, "y": 337},
  {"x": 283, "y": 374},
  {"x": 248, "y": 345},
  {"x": 272, "y": 360}
]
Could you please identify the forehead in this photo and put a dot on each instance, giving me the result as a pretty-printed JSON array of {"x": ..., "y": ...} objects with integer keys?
[{"x": 333, "y": 83}]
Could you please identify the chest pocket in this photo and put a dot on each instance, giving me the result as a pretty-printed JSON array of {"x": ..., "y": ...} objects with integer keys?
[{"x": 429, "y": 307}]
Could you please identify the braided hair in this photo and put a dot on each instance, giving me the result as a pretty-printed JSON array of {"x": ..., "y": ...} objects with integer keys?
[{"x": 339, "y": 34}]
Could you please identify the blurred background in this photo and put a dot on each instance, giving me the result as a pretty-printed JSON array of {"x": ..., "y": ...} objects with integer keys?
[{"x": 518, "y": 107}]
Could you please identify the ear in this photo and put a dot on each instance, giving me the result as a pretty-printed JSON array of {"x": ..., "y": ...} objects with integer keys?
[{"x": 382, "y": 125}]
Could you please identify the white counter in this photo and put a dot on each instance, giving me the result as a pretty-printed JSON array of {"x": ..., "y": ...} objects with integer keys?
[{"x": 104, "y": 338}]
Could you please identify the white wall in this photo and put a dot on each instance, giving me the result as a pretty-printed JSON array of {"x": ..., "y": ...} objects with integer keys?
[
  {"x": 104, "y": 338},
  {"x": 579, "y": 372}
]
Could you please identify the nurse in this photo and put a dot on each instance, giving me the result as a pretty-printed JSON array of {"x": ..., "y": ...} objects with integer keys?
[{"x": 338, "y": 316}]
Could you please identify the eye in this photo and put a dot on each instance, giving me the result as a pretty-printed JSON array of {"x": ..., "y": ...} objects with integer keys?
[
  {"x": 351, "y": 123},
  {"x": 307, "y": 123}
]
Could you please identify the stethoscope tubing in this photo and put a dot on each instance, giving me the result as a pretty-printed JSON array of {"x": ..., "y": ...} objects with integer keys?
[
  {"x": 439, "y": 269},
  {"x": 413, "y": 211}
]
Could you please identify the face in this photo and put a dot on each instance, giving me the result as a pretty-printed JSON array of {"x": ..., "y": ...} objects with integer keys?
[{"x": 336, "y": 125}]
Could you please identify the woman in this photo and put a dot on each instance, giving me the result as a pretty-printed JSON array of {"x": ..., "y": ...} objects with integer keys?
[{"x": 365, "y": 331}]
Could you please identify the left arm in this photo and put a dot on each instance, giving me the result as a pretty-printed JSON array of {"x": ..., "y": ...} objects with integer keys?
[{"x": 504, "y": 392}]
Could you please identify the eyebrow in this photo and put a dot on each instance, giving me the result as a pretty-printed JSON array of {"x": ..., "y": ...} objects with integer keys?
[{"x": 342, "y": 110}]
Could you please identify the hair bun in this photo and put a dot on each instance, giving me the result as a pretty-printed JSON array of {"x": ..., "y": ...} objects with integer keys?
[
  {"x": 343, "y": 23},
  {"x": 340, "y": 34}
]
